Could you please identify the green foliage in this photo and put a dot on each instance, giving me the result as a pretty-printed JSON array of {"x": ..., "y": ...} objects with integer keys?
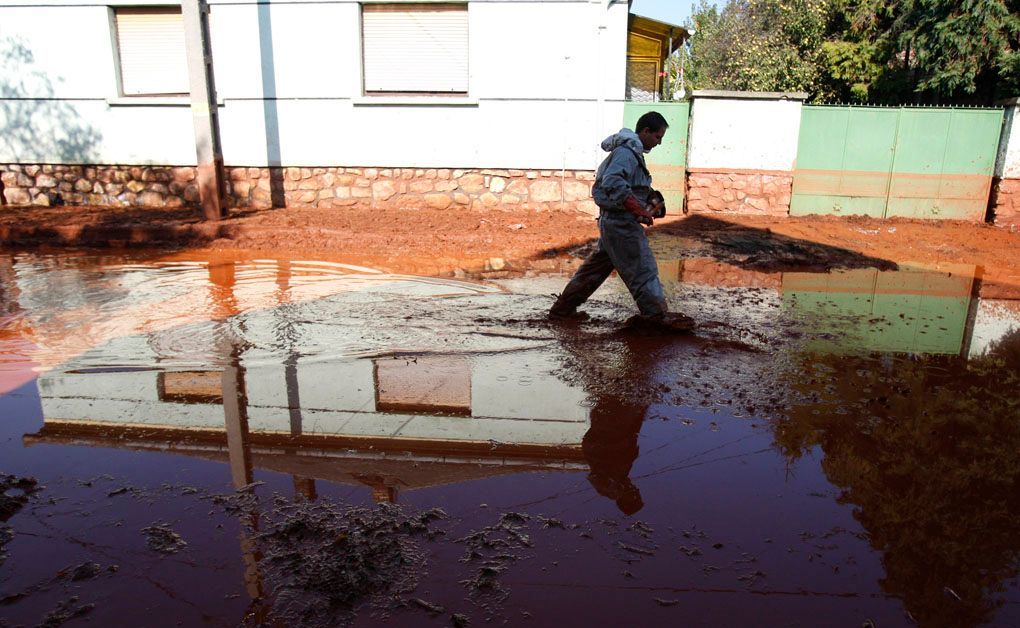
[
  {"x": 758, "y": 45},
  {"x": 868, "y": 51},
  {"x": 961, "y": 46}
]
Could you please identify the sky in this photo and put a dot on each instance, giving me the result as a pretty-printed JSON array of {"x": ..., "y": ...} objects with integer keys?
[{"x": 672, "y": 11}]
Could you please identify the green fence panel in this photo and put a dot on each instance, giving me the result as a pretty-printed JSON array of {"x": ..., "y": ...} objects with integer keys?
[
  {"x": 944, "y": 163},
  {"x": 668, "y": 161},
  {"x": 923, "y": 163},
  {"x": 844, "y": 161}
]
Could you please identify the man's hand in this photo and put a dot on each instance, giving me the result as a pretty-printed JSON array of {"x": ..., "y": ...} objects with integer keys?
[{"x": 642, "y": 214}]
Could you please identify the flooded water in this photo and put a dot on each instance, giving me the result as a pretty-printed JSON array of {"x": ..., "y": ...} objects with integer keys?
[{"x": 189, "y": 440}]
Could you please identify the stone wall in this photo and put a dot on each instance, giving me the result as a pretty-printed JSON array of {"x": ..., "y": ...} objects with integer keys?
[
  {"x": 50, "y": 184},
  {"x": 440, "y": 188},
  {"x": 1006, "y": 202},
  {"x": 742, "y": 193}
]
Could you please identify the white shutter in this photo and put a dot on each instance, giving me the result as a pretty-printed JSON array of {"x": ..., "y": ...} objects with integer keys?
[
  {"x": 415, "y": 48},
  {"x": 152, "y": 54}
]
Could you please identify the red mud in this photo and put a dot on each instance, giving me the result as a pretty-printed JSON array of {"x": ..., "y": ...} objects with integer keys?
[{"x": 440, "y": 242}]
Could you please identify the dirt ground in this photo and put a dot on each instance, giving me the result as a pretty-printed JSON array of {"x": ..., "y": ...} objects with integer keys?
[{"x": 507, "y": 242}]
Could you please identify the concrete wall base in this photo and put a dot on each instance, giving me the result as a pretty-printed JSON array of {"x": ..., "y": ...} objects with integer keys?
[
  {"x": 410, "y": 188},
  {"x": 739, "y": 192}
]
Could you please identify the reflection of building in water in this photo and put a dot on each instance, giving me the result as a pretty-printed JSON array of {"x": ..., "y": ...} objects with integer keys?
[
  {"x": 913, "y": 310},
  {"x": 388, "y": 423},
  {"x": 993, "y": 321},
  {"x": 906, "y": 311},
  {"x": 431, "y": 384},
  {"x": 262, "y": 395},
  {"x": 900, "y": 312}
]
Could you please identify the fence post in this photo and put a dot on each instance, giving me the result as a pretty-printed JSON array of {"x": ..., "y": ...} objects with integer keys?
[
  {"x": 195, "y": 14},
  {"x": 1005, "y": 198}
]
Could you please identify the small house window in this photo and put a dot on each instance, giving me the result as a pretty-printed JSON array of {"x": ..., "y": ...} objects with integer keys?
[
  {"x": 151, "y": 51},
  {"x": 415, "y": 48}
]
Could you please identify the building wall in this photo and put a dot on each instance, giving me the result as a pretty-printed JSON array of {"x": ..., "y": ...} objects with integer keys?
[
  {"x": 546, "y": 83},
  {"x": 742, "y": 151}
]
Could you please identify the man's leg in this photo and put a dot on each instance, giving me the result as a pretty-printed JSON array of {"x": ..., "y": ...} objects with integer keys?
[
  {"x": 626, "y": 245},
  {"x": 595, "y": 270}
]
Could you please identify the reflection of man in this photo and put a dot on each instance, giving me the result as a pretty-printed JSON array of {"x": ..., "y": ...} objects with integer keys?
[
  {"x": 608, "y": 368},
  {"x": 610, "y": 448}
]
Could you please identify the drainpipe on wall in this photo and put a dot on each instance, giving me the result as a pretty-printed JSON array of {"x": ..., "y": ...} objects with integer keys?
[
  {"x": 601, "y": 24},
  {"x": 195, "y": 14}
]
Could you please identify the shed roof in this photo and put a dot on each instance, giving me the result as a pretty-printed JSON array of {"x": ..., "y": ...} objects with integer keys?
[{"x": 658, "y": 29}]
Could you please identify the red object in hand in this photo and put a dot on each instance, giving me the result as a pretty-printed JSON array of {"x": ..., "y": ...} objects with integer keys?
[{"x": 635, "y": 207}]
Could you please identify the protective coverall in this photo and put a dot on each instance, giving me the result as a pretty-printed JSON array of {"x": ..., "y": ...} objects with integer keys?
[{"x": 622, "y": 244}]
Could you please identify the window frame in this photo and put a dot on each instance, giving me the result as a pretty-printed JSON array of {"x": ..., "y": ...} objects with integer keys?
[
  {"x": 156, "y": 97},
  {"x": 411, "y": 96}
]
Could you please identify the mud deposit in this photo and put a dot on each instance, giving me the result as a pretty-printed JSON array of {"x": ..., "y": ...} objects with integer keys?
[{"x": 196, "y": 438}]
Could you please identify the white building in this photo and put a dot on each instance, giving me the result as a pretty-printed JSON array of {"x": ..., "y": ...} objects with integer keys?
[{"x": 511, "y": 87}]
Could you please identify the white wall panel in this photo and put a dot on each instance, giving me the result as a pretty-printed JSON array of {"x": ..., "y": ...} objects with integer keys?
[
  {"x": 744, "y": 134},
  {"x": 91, "y": 131},
  {"x": 57, "y": 52},
  {"x": 496, "y": 134},
  {"x": 313, "y": 49}
]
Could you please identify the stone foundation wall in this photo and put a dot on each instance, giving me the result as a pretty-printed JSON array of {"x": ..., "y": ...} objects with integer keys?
[
  {"x": 1006, "y": 202},
  {"x": 439, "y": 188},
  {"x": 742, "y": 193},
  {"x": 51, "y": 184}
]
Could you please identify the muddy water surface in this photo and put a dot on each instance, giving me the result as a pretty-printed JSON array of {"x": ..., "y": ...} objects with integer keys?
[{"x": 195, "y": 440}]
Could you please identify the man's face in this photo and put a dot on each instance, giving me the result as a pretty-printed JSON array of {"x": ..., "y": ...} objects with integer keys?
[{"x": 650, "y": 139}]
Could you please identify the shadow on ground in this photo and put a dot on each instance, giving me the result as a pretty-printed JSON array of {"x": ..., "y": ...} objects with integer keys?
[
  {"x": 749, "y": 248},
  {"x": 762, "y": 250}
]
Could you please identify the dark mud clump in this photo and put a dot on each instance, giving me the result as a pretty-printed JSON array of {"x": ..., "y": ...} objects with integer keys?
[
  {"x": 492, "y": 550},
  {"x": 321, "y": 562},
  {"x": 14, "y": 494},
  {"x": 84, "y": 571},
  {"x": 66, "y": 611},
  {"x": 161, "y": 538}
]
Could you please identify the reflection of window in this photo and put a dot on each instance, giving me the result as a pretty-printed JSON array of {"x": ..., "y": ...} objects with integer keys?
[
  {"x": 150, "y": 50},
  {"x": 415, "y": 48},
  {"x": 191, "y": 386},
  {"x": 426, "y": 384}
]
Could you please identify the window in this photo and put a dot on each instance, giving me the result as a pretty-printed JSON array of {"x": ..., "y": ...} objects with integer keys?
[
  {"x": 151, "y": 51},
  {"x": 415, "y": 48},
  {"x": 642, "y": 79}
]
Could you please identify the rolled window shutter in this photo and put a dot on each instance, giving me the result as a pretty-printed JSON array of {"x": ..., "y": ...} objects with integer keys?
[
  {"x": 153, "y": 59},
  {"x": 415, "y": 48}
]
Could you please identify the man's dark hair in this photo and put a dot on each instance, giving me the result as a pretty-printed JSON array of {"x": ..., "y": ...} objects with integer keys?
[{"x": 653, "y": 121}]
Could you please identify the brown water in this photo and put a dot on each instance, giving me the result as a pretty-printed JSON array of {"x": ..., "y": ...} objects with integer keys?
[{"x": 826, "y": 450}]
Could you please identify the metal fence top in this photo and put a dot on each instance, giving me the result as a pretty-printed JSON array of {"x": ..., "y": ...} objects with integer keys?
[
  {"x": 997, "y": 108},
  {"x": 725, "y": 94}
]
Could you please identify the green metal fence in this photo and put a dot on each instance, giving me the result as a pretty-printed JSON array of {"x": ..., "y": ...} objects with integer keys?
[
  {"x": 883, "y": 162},
  {"x": 667, "y": 162}
]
